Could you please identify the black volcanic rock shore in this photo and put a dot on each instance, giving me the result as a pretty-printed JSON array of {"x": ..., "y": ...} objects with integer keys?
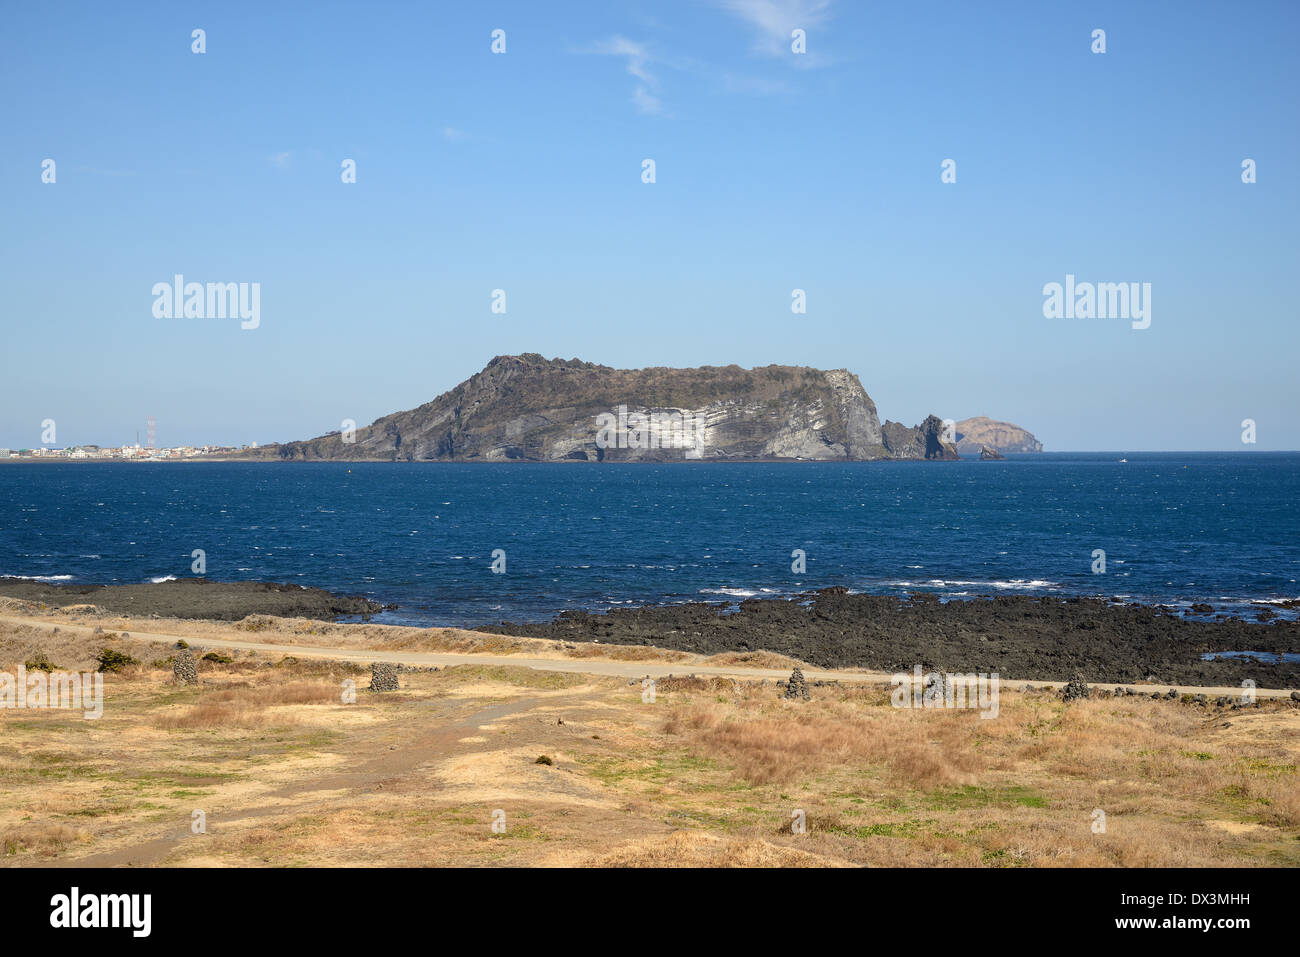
[
  {"x": 197, "y": 598},
  {"x": 1018, "y": 637}
]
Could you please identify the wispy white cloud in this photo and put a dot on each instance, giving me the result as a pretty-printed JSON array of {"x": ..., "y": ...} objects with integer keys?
[
  {"x": 636, "y": 59},
  {"x": 281, "y": 160},
  {"x": 774, "y": 20},
  {"x": 646, "y": 101},
  {"x": 454, "y": 135}
]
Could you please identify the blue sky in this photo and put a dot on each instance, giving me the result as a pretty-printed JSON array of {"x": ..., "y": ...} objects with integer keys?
[{"x": 774, "y": 171}]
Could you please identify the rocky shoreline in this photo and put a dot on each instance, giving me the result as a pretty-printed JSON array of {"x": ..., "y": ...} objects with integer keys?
[
  {"x": 197, "y": 598},
  {"x": 1018, "y": 637}
]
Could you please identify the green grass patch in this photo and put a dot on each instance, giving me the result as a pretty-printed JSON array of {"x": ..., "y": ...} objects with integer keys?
[
  {"x": 908, "y": 828},
  {"x": 744, "y": 817},
  {"x": 1260, "y": 766},
  {"x": 970, "y": 796},
  {"x": 667, "y": 769}
]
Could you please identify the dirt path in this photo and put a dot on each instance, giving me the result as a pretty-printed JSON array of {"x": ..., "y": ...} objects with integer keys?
[
  {"x": 619, "y": 669},
  {"x": 368, "y": 776}
]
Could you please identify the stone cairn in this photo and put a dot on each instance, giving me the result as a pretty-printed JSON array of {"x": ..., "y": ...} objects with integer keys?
[
  {"x": 796, "y": 687},
  {"x": 383, "y": 676},
  {"x": 935, "y": 685},
  {"x": 185, "y": 669},
  {"x": 1076, "y": 688}
]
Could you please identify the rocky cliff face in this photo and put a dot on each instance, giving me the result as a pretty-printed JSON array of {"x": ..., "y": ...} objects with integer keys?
[
  {"x": 974, "y": 434},
  {"x": 527, "y": 408},
  {"x": 924, "y": 441}
]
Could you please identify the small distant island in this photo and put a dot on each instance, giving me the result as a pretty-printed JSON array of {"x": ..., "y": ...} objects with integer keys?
[
  {"x": 527, "y": 408},
  {"x": 975, "y": 435}
]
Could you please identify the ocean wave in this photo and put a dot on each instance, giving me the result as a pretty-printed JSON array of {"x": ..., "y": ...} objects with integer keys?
[
  {"x": 732, "y": 592},
  {"x": 1004, "y": 584},
  {"x": 42, "y": 578},
  {"x": 162, "y": 578}
]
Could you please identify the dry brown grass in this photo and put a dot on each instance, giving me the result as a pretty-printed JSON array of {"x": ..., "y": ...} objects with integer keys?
[
  {"x": 270, "y": 629},
  {"x": 588, "y": 649},
  {"x": 708, "y": 775},
  {"x": 248, "y": 706},
  {"x": 773, "y": 742},
  {"x": 754, "y": 659},
  {"x": 1180, "y": 785},
  {"x": 70, "y": 651},
  {"x": 694, "y": 849},
  {"x": 713, "y": 683},
  {"x": 43, "y": 839}
]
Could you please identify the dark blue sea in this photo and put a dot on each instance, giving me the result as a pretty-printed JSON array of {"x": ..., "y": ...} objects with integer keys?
[{"x": 1175, "y": 527}]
